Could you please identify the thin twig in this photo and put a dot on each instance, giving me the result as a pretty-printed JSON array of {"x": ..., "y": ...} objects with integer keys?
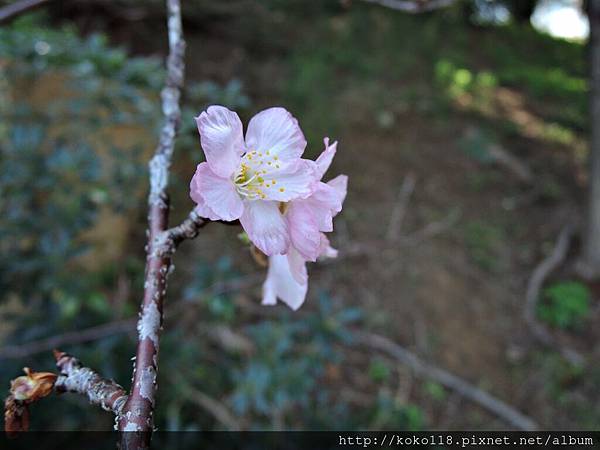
[
  {"x": 74, "y": 377},
  {"x": 70, "y": 338},
  {"x": 214, "y": 407},
  {"x": 413, "y": 6},
  {"x": 12, "y": 11},
  {"x": 534, "y": 286},
  {"x": 515, "y": 166},
  {"x": 433, "y": 228},
  {"x": 495, "y": 406},
  {"x": 168, "y": 240},
  {"x": 399, "y": 211}
]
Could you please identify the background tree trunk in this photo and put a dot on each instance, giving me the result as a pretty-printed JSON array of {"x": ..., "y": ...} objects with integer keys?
[{"x": 591, "y": 249}]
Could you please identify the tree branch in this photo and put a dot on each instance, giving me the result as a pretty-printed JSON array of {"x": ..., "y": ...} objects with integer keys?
[
  {"x": 214, "y": 407},
  {"x": 74, "y": 377},
  {"x": 413, "y": 6},
  {"x": 535, "y": 284},
  {"x": 70, "y": 338},
  {"x": 138, "y": 410},
  {"x": 10, "y": 12},
  {"x": 168, "y": 240},
  {"x": 400, "y": 207},
  {"x": 497, "y": 407}
]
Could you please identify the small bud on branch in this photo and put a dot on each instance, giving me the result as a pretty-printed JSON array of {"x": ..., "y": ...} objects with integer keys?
[{"x": 24, "y": 390}]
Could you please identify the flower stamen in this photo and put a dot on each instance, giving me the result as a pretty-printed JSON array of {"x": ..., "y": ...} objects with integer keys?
[{"x": 249, "y": 179}]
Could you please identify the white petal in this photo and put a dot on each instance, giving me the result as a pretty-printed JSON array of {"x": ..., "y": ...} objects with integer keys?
[
  {"x": 281, "y": 283},
  {"x": 222, "y": 139},
  {"x": 277, "y": 131},
  {"x": 290, "y": 182},
  {"x": 269, "y": 287},
  {"x": 325, "y": 249},
  {"x": 297, "y": 266},
  {"x": 219, "y": 194},
  {"x": 340, "y": 184},
  {"x": 265, "y": 226},
  {"x": 323, "y": 204},
  {"x": 324, "y": 160},
  {"x": 204, "y": 211},
  {"x": 304, "y": 229}
]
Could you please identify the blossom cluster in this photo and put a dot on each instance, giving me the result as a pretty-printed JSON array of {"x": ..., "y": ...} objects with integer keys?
[{"x": 278, "y": 196}]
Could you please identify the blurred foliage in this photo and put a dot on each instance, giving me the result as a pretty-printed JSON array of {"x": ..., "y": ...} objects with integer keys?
[
  {"x": 429, "y": 65},
  {"x": 62, "y": 165},
  {"x": 566, "y": 304},
  {"x": 435, "y": 390},
  {"x": 72, "y": 155},
  {"x": 477, "y": 144},
  {"x": 562, "y": 377},
  {"x": 457, "y": 82},
  {"x": 273, "y": 374},
  {"x": 379, "y": 371},
  {"x": 389, "y": 413},
  {"x": 484, "y": 243},
  {"x": 280, "y": 373}
]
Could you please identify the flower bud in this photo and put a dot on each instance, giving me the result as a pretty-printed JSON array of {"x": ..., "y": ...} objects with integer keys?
[{"x": 32, "y": 386}]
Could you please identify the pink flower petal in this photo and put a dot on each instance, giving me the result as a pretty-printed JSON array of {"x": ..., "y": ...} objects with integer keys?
[
  {"x": 323, "y": 204},
  {"x": 324, "y": 160},
  {"x": 277, "y": 131},
  {"x": 204, "y": 211},
  {"x": 222, "y": 139},
  {"x": 297, "y": 266},
  {"x": 325, "y": 249},
  {"x": 340, "y": 184},
  {"x": 280, "y": 283},
  {"x": 216, "y": 193},
  {"x": 202, "y": 208},
  {"x": 265, "y": 226},
  {"x": 304, "y": 229},
  {"x": 291, "y": 181}
]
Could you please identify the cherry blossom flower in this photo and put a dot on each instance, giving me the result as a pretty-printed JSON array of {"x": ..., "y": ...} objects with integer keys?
[
  {"x": 308, "y": 219},
  {"x": 248, "y": 179}
]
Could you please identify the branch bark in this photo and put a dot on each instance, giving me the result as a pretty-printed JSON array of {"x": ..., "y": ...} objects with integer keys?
[
  {"x": 74, "y": 377},
  {"x": 589, "y": 265},
  {"x": 137, "y": 413},
  {"x": 168, "y": 240}
]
